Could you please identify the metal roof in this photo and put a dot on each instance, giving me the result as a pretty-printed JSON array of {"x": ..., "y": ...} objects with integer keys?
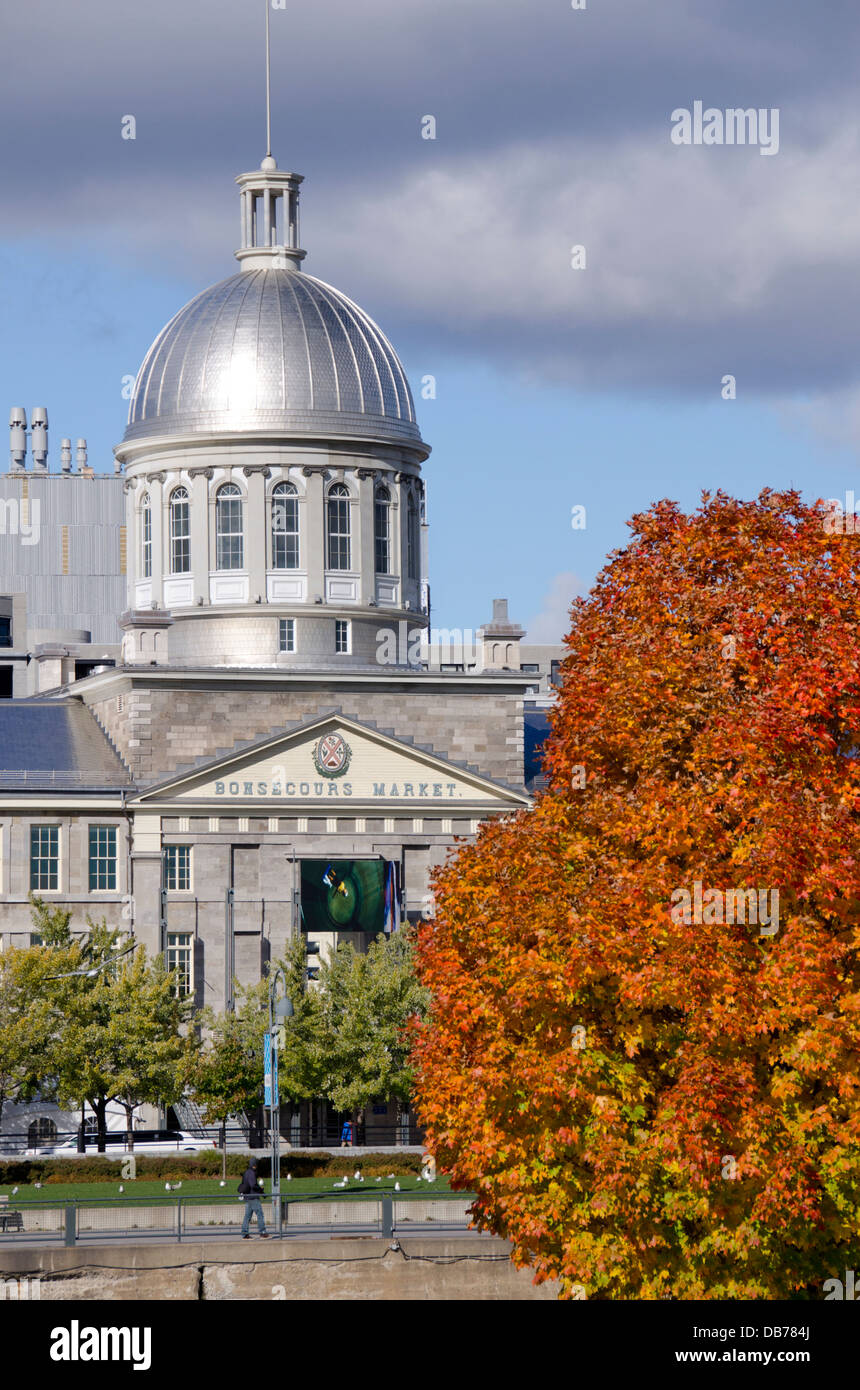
[
  {"x": 56, "y": 744},
  {"x": 273, "y": 350}
]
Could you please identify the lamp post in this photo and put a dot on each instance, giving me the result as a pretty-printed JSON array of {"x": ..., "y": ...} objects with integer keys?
[{"x": 278, "y": 1012}]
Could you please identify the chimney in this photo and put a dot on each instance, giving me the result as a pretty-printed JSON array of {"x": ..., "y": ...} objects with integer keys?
[
  {"x": 18, "y": 439},
  {"x": 66, "y": 455},
  {"x": 39, "y": 437},
  {"x": 82, "y": 454}
]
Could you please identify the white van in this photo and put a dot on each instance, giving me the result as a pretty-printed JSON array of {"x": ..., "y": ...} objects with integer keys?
[{"x": 146, "y": 1141}]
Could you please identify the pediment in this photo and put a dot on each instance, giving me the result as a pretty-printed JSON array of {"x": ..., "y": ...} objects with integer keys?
[{"x": 333, "y": 762}]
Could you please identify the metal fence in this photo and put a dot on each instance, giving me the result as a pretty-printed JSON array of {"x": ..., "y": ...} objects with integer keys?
[
  {"x": 362, "y": 1212},
  {"x": 319, "y": 1135}
]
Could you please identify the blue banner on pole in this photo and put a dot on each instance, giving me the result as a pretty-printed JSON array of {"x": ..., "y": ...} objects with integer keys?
[{"x": 267, "y": 1068}]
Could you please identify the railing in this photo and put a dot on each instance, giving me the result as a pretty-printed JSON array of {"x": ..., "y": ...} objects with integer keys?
[
  {"x": 361, "y": 1212},
  {"x": 316, "y": 1135}
]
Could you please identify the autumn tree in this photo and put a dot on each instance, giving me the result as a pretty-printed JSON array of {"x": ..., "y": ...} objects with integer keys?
[{"x": 651, "y": 1084}]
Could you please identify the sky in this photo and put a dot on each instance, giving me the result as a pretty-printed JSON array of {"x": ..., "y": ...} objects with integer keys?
[{"x": 564, "y": 379}]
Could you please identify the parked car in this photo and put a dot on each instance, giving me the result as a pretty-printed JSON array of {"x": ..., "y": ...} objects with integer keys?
[{"x": 146, "y": 1141}]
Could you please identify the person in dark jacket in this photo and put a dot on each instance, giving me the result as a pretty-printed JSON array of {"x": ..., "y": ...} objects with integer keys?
[{"x": 250, "y": 1190}]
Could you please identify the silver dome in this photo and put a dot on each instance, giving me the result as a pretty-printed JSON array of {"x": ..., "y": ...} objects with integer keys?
[{"x": 272, "y": 350}]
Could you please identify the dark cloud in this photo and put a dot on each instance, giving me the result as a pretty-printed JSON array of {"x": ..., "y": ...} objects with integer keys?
[{"x": 553, "y": 129}]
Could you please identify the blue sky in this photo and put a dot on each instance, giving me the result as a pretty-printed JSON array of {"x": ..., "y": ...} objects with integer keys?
[{"x": 555, "y": 387}]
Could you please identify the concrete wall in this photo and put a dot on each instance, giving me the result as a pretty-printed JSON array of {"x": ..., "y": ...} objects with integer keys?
[{"x": 300, "y": 1270}]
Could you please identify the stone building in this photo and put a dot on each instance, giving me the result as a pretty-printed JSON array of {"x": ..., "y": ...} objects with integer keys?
[{"x": 269, "y": 753}]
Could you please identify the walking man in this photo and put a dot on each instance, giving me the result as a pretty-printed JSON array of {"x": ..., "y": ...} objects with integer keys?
[{"x": 250, "y": 1190}]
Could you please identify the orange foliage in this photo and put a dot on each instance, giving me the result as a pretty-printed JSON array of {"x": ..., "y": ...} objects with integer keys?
[{"x": 652, "y": 1107}]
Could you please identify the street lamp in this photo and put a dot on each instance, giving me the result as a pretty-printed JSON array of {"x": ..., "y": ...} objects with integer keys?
[{"x": 279, "y": 1012}]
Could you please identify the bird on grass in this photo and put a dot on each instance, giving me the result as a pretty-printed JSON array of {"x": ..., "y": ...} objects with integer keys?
[
  {"x": 121, "y": 1188},
  {"x": 37, "y": 1184},
  {"x": 14, "y": 1190},
  {"x": 397, "y": 1187},
  {"x": 167, "y": 1187},
  {"x": 289, "y": 1177},
  {"x": 222, "y": 1183},
  {"x": 357, "y": 1176}
]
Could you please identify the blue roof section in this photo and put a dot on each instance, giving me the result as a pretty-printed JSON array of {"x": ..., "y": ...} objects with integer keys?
[{"x": 56, "y": 744}]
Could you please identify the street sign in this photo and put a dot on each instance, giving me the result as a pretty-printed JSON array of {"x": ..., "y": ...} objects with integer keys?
[{"x": 270, "y": 1070}]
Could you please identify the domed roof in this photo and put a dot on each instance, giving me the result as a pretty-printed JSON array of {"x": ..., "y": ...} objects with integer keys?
[{"x": 275, "y": 351}]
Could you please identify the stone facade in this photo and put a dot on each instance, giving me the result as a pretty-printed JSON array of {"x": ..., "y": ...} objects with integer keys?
[{"x": 157, "y": 728}]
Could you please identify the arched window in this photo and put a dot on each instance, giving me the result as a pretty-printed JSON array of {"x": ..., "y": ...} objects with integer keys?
[
  {"x": 412, "y": 539},
  {"x": 229, "y": 540},
  {"x": 338, "y": 528},
  {"x": 382, "y": 530},
  {"x": 180, "y": 531},
  {"x": 41, "y": 1131},
  {"x": 146, "y": 537},
  {"x": 285, "y": 527}
]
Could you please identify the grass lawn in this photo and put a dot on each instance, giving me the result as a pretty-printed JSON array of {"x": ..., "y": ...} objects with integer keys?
[{"x": 205, "y": 1187}]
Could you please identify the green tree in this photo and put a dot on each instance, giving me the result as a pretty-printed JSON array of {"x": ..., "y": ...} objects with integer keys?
[
  {"x": 367, "y": 1001},
  {"x": 30, "y": 1004},
  {"x": 227, "y": 1074},
  {"x": 119, "y": 1027}
]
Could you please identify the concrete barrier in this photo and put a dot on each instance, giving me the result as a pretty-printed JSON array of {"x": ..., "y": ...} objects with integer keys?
[{"x": 439, "y": 1268}]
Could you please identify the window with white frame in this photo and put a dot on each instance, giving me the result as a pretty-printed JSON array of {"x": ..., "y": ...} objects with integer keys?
[
  {"x": 341, "y": 635},
  {"x": 286, "y": 634},
  {"x": 180, "y": 531},
  {"x": 146, "y": 536},
  {"x": 229, "y": 533},
  {"x": 103, "y": 858},
  {"x": 285, "y": 527},
  {"x": 339, "y": 547},
  {"x": 44, "y": 857},
  {"x": 177, "y": 868},
  {"x": 180, "y": 958}
]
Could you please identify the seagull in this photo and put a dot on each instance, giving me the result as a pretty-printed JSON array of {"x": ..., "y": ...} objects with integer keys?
[
  {"x": 356, "y": 1177},
  {"x": 177, "y": 1184},
  {"x": 379, "y": 1179},
  {"x": 14, "y": 1190},
  {"x": 121, "y": 1188},
  {"x": 289, "y": 1177},
  {"x": 37, "y": 1184},
  {"x": 222, "y": 1183},
  {"x": 397, "y": 1187},
  {"x": 167, "y": 1187}
]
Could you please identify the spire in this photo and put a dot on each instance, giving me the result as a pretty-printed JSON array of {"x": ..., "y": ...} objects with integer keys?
[{"x": 270, "y": 204}]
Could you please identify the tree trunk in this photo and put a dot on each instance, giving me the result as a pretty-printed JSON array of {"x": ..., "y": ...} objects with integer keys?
[
  {"x": 100, "y": 1108},
  {"x": 129, "y": 1115}
]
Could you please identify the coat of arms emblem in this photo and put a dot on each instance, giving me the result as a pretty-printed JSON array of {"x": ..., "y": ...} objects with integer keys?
[{"x": 331, "y": 755}]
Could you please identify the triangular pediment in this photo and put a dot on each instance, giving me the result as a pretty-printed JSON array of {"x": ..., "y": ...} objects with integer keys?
[{"x": 333, "y": 761}]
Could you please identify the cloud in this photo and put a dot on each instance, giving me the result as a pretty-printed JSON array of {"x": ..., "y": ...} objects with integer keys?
[
  {"x": 553, "y": 131},
  {"x": 552, "y": 623}
]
